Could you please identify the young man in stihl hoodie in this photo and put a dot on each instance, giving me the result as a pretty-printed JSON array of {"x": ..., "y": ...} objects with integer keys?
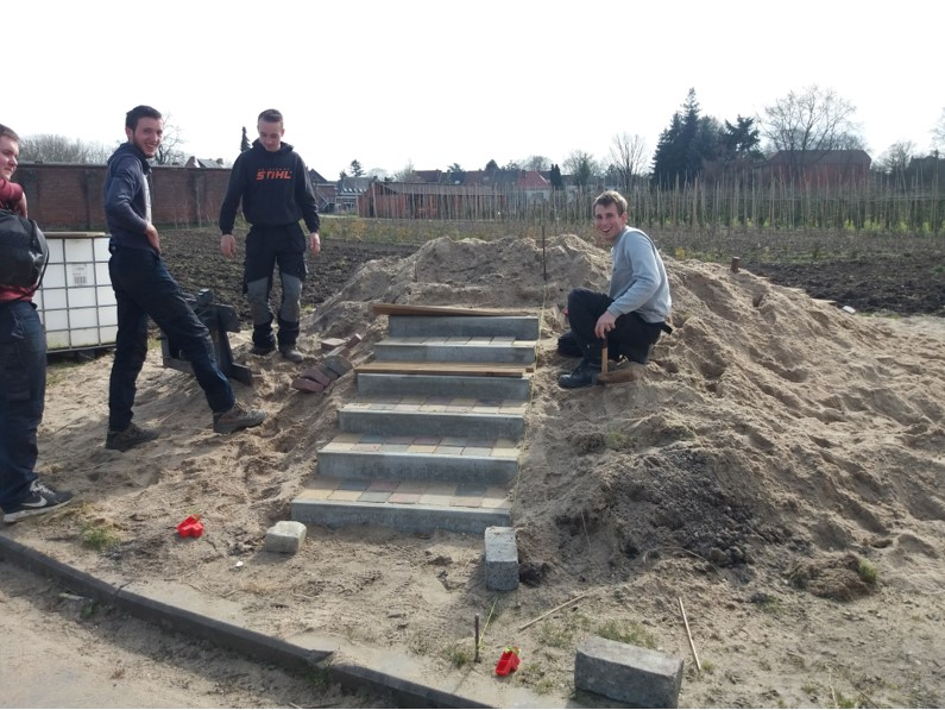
[{"x": 273, "y": 184}]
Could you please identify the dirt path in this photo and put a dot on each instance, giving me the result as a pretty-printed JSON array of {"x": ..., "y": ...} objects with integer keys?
[{"x": 60, "y": 650}]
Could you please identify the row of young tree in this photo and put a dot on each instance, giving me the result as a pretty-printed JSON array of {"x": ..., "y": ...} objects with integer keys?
[{"x": 699, "y": 147}]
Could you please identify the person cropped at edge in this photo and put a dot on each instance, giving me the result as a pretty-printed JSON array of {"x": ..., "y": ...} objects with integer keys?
[
  {"x": 634, "y": 311},
  {"x": 22, "y": 373},
  {"x": 273, "y": 183},
  {"x": 143, "y": 287}
]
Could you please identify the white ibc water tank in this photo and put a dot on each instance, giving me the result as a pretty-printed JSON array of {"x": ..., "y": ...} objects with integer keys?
[{"x": 76, "y": 302}]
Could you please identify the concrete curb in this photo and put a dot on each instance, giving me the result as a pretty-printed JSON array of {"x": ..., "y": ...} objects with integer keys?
[{"x": 406, "y": 693}]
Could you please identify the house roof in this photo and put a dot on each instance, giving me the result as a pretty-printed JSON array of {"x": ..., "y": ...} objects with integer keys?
[
  {"x": 353, "y": 185},
  {"x": 532, "y": 180},
  {"x": 821, "y": 157},
  {"x": 316, "y": 177},
  {"x": 429, "y": 175},
  {"x": 195, "y": 162},
  {"x": 423, "y": 188}
]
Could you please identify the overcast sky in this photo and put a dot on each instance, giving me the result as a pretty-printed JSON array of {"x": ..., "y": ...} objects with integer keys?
[{"x": 436, "y": 82}]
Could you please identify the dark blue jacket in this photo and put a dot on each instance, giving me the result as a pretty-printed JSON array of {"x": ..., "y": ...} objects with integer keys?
[
  {"x": 274, "y": 187},
  {"x": 128, "y": 198}
]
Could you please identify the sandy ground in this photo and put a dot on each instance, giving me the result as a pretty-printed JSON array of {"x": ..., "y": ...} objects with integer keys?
[{"x": 774, "y": 454}]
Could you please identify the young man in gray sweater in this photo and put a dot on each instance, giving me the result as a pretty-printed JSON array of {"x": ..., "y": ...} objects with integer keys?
[{"x": 632, "y": 314}]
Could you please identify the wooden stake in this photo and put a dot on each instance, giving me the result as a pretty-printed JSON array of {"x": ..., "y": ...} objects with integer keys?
[
  {"x": 692, "y": 646},
  {"x": 579, "y": 597},
  {"x": 604, "y": 359},
  {"x": 477, "y": 638}
]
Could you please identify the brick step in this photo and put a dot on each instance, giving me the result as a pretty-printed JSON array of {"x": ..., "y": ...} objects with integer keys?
[
  {"x": 433, "y": 458},
  {"x": 410, "y": 506},
  {"x": 377, "y": 379},
  {"x": 434, "y": 416},
  {"x": 516, "y": 326},
  {"x": 460, "y": 349}
]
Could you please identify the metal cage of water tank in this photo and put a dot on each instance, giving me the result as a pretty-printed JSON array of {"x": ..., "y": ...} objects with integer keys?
[{"x": 76, "y": 302}]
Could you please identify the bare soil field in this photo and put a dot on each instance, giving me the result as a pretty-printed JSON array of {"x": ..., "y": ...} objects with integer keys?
[{"x": 778, "y": 467}]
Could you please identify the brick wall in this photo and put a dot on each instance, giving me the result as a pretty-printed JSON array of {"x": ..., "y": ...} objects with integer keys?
[{"x": 69, "y": 197}]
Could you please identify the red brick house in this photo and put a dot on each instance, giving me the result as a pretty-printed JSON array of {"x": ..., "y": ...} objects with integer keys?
[{"x": 819, "y": 168}]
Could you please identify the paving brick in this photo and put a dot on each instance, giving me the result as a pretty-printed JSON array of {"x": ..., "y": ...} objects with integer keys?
[
  {"x": 285, "y": 537},
  {"x": 501, "y": 559},
  {"x": 629, "y": 674}
]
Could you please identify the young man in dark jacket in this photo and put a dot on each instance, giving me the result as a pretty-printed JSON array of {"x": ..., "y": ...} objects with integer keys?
[
  {"x": 273, "y": 184},
  {"x": 143, "y": 287},
  {"x": 22, "y": 373}
]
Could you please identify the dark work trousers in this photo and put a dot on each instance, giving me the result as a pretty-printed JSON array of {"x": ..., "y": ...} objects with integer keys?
[
  {"x": 143, "y": 287},
  {"x": 267, "y": 247},
  {"x": 22, "y": 396},
  {"x": 631, "y": 337}
]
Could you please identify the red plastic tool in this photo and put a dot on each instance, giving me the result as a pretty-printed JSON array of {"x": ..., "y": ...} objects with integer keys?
[
  {"x": 509, "y": 661},
  {"x": 191, "y": 527}
]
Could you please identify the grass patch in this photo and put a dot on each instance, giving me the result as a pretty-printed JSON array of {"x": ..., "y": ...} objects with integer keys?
[
  {"x": 768, "y": 603},
  {"x": 555, "y": 635},
  {"x": 459, "y": 653},
  {"x": 101, "y": 537},
  {"x": 867, "y": 571},
  {"x": 319, "y": 677},
  {"x": 629, "y": 633}
]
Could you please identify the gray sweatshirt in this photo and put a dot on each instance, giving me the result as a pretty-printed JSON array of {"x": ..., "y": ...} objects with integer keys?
[{"x": 638, "y": 280}]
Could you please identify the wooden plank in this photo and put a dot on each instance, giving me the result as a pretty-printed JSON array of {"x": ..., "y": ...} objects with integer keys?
[
  {"x": 399, "y": 309},
  {"x": 456, "y": 369}
]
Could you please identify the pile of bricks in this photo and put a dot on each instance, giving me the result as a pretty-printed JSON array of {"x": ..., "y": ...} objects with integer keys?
[{"x": 320, "y": 377}]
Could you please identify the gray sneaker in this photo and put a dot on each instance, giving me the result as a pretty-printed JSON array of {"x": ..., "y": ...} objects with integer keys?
[
  {"x": 290, "y": 353},
  {"x": 236, "y": 418},
  {"x": 130, "y": 437},
  {"x": 41, "y": 499}
]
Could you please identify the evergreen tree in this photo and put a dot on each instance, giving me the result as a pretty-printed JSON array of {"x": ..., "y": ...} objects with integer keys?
[
  {"x": 244, "y": 144},
  {"x": 556, "y": 182},
  {"x": 683, "y": 149},
  {"x": 356, "y": 170}
]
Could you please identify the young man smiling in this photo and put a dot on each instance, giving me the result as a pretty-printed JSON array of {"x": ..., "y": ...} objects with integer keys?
[
  {"x": 273, "y": 184},
  {"x": 632, "y": 314},
  {"x": 143, "y": 287}
]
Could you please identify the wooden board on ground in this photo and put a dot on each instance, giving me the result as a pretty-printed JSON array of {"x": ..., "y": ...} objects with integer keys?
[
  {"x": 455, "y": 369},
  {"x": 399, "y": 309}
]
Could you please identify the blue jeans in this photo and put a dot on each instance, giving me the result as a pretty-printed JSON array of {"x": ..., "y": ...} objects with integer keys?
[
  {"x": 22, "y": 396},
  {"x": 143, "y": 287}
]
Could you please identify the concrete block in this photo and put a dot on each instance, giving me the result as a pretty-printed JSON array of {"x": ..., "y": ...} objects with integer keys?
[
  {"x": 286, "y": 537},
  {"x": 336, "y": 364},
  {"x": 501, "y": 559},
  {"x": 331, "y": 343},
  {"x": 629, "y": 674}
]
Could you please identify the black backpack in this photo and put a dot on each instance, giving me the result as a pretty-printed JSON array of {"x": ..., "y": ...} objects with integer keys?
[{"x": 23, "y": 251}]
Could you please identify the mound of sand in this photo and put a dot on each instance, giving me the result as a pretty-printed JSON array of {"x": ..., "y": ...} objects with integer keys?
[
  {"x": 765, "y": 418},
  {"x": 770, "y": 437}
]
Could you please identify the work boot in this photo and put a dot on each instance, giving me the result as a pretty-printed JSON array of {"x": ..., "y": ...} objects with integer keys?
[
  {"x": 237, "y": 417},
  {"x": 290, "y": 353},
  {"x": 129, "y": 437},
  {"x": 263, "y": 349},
  {"x": 584, "y": 375}
]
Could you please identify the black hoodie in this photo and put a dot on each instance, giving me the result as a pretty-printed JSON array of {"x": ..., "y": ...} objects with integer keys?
[{"x": 275, "y": 189}]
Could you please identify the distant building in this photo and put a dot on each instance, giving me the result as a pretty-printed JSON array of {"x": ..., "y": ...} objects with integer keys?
[
  {"x": 819, "y": 168},
  {"x": 195, "y": 162}
]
